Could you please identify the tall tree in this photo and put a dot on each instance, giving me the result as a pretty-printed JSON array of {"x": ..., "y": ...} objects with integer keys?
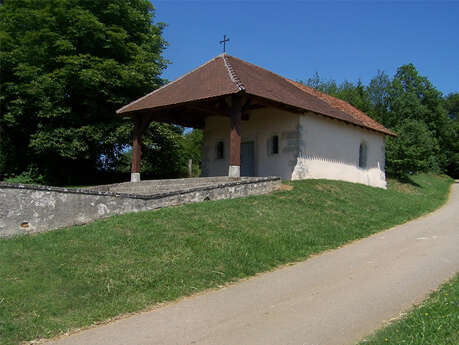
[
  {"x": 452, "y": 152},
  {"x": 413, "y": 97},
  {"x": 378, "y": 96},
  {"x": 317, "y": 82},
  {"x": 353, "y": 93},
  {"x": 452, "y": 106},
  {"x": 413, "y": 150},
  {"x": 66, "y": 66}
]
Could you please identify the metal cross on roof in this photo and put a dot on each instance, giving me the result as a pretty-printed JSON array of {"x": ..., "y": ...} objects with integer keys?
[{"x": 224, "y": 43}]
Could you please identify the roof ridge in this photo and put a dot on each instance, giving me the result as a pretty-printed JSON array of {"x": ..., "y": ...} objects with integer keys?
[
  {"x": 233, "y": 76},
  {"x": 168, "y": 84},
  {"x": 258, "y": 67}
]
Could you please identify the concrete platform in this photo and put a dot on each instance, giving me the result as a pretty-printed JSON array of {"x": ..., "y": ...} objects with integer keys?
[{"x": 151, "y": 187}]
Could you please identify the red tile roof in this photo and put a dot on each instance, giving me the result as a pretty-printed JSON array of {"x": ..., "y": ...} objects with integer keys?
[
  {"x": 208, "y": 80},
  {"x": 226, "y": 75},
  {"x": 345, "y": 107}
]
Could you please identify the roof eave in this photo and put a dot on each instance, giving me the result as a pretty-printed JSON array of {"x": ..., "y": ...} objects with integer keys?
[{"x": 126, "y": 112}]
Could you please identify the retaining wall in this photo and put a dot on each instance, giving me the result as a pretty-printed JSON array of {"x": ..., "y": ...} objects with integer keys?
[{"x": 28, "y": 209}]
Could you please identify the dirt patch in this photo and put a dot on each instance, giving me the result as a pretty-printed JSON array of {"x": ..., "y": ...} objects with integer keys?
[
  {"x": 286, "y": 187},
  {"x": 403, "y": 187}
]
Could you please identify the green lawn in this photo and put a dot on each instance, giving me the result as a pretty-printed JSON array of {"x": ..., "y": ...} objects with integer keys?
[
  {"x": 434, "y": 322},
  {"x": 60, "y": 280}
]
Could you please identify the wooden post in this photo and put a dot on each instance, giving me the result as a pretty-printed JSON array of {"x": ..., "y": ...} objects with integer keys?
[
  {"x": 235, "y": 137},
  {"x": 190, "y": 168},
  {"x": 140, "y": 123}
]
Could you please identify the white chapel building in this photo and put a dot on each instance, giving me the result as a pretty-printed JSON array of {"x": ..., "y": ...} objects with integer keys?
[{"x": 258, "y": 123}]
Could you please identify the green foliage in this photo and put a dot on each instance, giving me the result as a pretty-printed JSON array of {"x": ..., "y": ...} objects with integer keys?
[
  {"x": 64, "y": 279},
  {"x": 353, "y": 93},
  {"x": 30, "y": 176},
  {"x": 2, "y": 153},
  {"x": 409, "y": 105},
  {"x": 193, "y": 142},
  {"x": 378, "y": 95},
  {"x": 452, "y": 140},
  {"x": 452, "y": 106},
  {"x": 163, "y": 155},
  {"x": 413, "y": 150},
  {"x": 66, "y": 66},
  {"x": 412, "y": 97}
]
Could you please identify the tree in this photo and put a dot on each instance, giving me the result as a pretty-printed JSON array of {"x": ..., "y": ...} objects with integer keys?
[
  {"x": 192, "y": 143},
  {"x": 353, "y": 93},
  {"x": 412, "y": 97},
  {"x": 66, "y": 66},
  {"x": 412, "y": 150},
  {"x": 412, "y": 107},
  {"x": 378, "y": 97},
  {"x": 452, "y": 107},
  {"x": 329, "y": 87},
  {"x": 163, "y": 153}
]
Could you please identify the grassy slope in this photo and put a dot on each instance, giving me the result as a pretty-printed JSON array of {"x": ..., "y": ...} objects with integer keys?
[
  {"x": 436, "y": 321},
  {"x": 59, "y": 280}
]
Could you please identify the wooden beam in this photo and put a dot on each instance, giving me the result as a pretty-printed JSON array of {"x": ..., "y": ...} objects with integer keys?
[
  {"x": 270, "y": 103},
  {"x": 210, "y": 111},
  {"x": 254, "y": 107},
  {"x": 235, "y": 112},
  {"x": 140, "y": 124}
]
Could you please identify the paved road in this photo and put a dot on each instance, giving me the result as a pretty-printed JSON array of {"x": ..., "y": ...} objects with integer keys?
[{"x": 334, "y": 298}]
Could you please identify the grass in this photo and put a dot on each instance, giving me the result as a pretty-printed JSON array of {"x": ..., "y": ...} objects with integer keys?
[
  {"x": 56, "y": 281},
  {"x": 434, "y": 322}
]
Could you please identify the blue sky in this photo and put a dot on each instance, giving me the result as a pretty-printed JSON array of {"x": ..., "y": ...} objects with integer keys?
[{"x": 339, "y": 40}]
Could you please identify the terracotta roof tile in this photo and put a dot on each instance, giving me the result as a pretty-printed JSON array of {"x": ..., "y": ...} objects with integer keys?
[
  {"x": 225, "y": 75},
  {"x": 345, "y": 107},
  {"x": 211, "y": 79}
]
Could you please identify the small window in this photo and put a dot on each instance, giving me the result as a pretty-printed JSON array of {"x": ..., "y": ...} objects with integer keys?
[
  {"x": 363, "y": 155},
  {"x": 220, "y": 149},
  {"x": 273, "y": 145}
]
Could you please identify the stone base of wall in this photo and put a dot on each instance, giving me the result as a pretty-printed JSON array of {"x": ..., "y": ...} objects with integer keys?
[{"x": 28, "y": 209}]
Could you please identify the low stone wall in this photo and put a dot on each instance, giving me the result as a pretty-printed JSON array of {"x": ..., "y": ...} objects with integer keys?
[{"x": 28, "y": 209}]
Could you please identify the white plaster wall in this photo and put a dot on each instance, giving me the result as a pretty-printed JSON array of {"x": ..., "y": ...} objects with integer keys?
[
  {"x": 261, "y": 126},
  {"x": 310, "y": 146},
  {"x": 216, "y": 129},
  {"x": 330, "y": 149}
]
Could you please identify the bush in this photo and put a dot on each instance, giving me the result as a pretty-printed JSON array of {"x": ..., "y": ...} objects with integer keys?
[{"x": 30, "y": 176}]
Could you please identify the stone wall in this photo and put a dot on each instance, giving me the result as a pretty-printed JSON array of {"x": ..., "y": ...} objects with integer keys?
[{"x": 28, "y": 209}]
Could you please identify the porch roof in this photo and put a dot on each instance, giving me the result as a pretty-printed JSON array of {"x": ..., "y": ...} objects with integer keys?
[{"x": 197, "y": 94}]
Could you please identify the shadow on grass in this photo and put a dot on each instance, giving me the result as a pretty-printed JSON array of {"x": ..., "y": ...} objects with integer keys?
[{"x": 406, "y": 179}]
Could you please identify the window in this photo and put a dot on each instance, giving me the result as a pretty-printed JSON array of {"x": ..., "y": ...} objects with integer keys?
[
  {"x": 273, "y": 145},
  {"x": 363, "y": 155},
  {"x": 220, "y": 149}
]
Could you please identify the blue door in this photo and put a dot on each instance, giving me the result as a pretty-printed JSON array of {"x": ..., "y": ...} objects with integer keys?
[{"x": 248, "y": 158}]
